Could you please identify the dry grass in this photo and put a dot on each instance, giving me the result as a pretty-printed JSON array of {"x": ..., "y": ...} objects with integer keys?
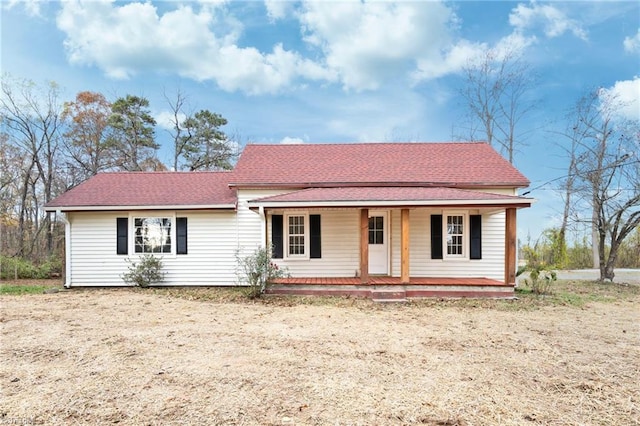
[{"x": 205, "y": 357}]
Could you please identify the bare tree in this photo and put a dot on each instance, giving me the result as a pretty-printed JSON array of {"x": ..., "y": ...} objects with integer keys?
[
  {"x": 607, "y": 174},
  {"x": 178, "y": 115},
  {"x": 571, "y": 138},
  {"x": 497, "y": 92},
  {"x": 31, "y": 119}
]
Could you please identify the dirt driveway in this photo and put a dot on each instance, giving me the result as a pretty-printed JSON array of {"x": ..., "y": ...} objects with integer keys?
[{"x": 131, "y": 357}]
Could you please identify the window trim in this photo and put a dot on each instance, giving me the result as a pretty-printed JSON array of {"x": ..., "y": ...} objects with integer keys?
[
  {"x": 307, "y": 232},
  {"x": 465, "y": 235},
  {"x": 142, "y": 215}
]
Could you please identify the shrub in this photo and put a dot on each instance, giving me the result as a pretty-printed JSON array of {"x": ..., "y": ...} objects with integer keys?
[
  {"x": 540, "y": 279},
  {"x": 258, "y": 271},
  {"x": 541, "y": 276},
  {"x": 145, "y": 272},
  {"x": 11, "y": 267}
]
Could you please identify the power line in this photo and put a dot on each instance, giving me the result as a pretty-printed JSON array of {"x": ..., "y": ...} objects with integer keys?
[{"x": 624, "y": 157}]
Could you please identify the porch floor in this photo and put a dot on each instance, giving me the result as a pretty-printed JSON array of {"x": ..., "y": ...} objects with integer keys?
[
  {"x": 385, "y": 288},
  {"x": 386, "y": 280}
]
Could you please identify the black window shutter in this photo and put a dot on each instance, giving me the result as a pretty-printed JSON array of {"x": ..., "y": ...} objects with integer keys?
[
  {"x": 276, "y": 236},
  {"x": 315, "y": 252},
  {"x": 122, "y": 236},
  {"x": 181, "y": 235},
  {"x": 436, "y": 236},
  {"x": 475, "y": 251}
]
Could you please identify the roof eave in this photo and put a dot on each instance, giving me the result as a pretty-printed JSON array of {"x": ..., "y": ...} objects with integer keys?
[
  {"x": 142, "y": 207},
  {"x": 461, "y": 185},
  {"x": 511, "y": 202}
]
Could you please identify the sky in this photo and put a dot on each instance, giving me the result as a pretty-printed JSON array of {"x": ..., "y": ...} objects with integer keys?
[{"x": 334, "y": 71}]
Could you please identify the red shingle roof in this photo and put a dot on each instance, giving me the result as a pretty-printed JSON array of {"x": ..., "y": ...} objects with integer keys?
[
  {"x": 466, "y": 165},
  {"x": 153, "y": 189}
]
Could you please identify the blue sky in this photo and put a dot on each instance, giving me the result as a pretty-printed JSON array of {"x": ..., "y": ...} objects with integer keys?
[{"x": 332, "y": 71}]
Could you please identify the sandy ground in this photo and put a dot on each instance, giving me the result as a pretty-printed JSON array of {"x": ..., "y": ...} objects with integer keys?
[{"x": 133, "y": 357}]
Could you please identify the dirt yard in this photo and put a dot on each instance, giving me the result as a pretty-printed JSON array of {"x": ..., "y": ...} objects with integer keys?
[{"x": 139, "y": 357}]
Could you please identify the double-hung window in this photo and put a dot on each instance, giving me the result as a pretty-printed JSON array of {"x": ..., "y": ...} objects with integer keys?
[
  {"x": 297, "y": 235},
  {"x": 455, "y": 235}
]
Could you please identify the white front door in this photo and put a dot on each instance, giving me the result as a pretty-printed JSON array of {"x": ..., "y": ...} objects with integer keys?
[{"x": 378, "y": 246}]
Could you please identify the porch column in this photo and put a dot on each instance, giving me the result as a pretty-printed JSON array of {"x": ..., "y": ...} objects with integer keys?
[
  {"x": 510, "y": 247},
  {"x": 404, "y": 242},
  {"x": 364, "y": 246}
]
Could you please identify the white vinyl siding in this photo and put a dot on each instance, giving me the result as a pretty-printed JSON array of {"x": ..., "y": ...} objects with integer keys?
[
  {"x": 340, "y": 246},
  {"x": 210, "y": 261},
  {"x": 421, "y": 265},
  {"x": 251, "y": 228}
]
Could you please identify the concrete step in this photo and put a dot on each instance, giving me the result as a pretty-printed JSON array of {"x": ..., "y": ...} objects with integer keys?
[{"x": 386, "y": 295}]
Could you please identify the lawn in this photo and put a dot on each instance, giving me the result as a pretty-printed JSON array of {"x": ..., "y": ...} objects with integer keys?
[{"x": 202, "y": 356}]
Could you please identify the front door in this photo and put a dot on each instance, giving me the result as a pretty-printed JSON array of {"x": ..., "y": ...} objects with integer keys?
[{"x": 378, "y": 250}]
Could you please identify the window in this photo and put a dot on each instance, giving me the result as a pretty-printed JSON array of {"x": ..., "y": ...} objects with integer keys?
[
  {"x": 376, "y": 230},
  {"x": 302, "y": 234},
  {"x": 296, "y": 235},
  {"x": 148, "y": 235},
  {"x": 152, "y": 234},
  {"x": 455, "y": 235}
]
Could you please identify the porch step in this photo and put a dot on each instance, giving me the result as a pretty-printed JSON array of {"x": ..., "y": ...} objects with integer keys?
[{"x": 388, "y": 295}]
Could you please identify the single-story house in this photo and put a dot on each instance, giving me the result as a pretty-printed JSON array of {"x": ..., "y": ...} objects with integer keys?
[{"x": 386, "y": 220}]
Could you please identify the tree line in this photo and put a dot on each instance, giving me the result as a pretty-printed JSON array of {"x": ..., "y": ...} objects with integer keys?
[{"x": 48, "y": 146}]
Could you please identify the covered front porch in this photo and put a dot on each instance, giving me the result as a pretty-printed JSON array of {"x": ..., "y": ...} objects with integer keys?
[
  {"x": 393, "y": 243},
  {"x": 385, "y": 288}
]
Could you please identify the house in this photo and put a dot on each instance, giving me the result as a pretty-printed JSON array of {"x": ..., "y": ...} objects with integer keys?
[{"x": 408, "y": 219}]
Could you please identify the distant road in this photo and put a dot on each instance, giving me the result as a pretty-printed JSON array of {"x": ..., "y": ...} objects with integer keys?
[{"x": 631, "y": 276}]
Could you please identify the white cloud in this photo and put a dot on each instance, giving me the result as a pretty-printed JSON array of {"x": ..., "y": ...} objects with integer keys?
[
  {"x": 32, "y": 7},
  {"x": 277, "y": 9},
  {"x": 626, "y": 94},
  {"x": 291, "y": 141},
  {"x": 552, "y": 20},
  {"x": 359, "y": 45},
  {"x": 365, "y": 43},
  {"x": 632, "y": 44},
  {"x": 451, "y": 61},
  {"x": 165, "y": 119},
  {"x": 124, "y": 40}
]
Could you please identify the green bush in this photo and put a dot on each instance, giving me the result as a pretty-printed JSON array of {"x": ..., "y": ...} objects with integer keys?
[
  {"x": 25, "y": 269},
  {"x": 541, "y": 276},
  {"x": 147, "y": 271},
  {"x": 580, "y": 255},
  {"x": 540, "y": 280},
  {"x": 258, "y": 271}
]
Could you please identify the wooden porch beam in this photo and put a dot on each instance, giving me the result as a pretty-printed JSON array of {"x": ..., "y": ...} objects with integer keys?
[
  {"x": 404, "y": 242},
  {"x": 364, "y": 246},
  {"x": 510, "y": 247}
]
